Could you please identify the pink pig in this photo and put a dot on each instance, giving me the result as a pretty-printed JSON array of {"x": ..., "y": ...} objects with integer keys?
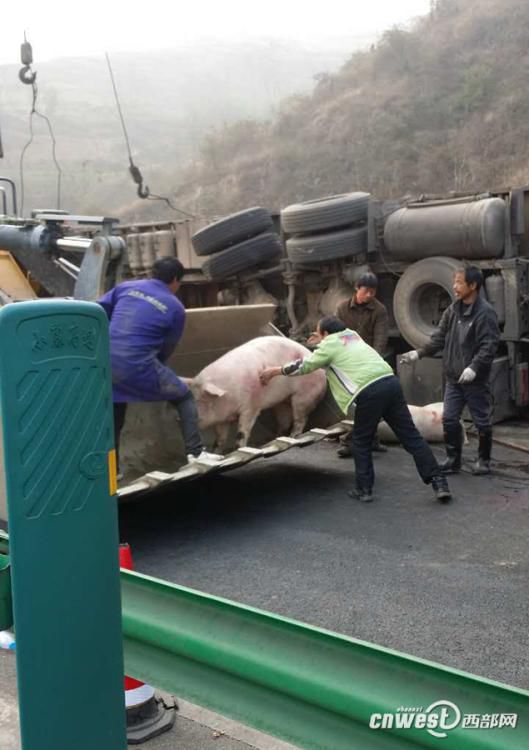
[{"x": 229, "y": 390}]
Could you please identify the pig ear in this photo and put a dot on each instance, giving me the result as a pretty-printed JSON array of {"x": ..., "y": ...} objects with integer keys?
[{"x": 213, "y": 390}]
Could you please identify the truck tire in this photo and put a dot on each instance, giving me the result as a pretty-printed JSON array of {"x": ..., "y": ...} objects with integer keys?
[
  {"x": 320, "y": 248},
  {"x": 233, "y": 260},
  {"x": 230, "y": 230},
  {"x": 325, "y": 213},
  {"x": 422, "y": 294}
]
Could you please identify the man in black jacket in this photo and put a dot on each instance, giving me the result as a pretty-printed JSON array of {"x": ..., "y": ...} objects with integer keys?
[
  {"x": 366, "y": 315},
  {"x": 468, "y": 336}
]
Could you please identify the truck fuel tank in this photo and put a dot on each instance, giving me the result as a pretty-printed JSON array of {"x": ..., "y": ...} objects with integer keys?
[{"x": 454, "y": 229}]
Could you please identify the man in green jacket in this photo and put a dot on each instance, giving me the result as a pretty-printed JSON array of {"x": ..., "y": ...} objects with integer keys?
[{"x": 356, "y": 372}]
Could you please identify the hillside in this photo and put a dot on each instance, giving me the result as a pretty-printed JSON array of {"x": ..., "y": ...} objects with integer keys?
[
  {"x": 440, "y": 106},
  {"x": 170, "y": 99}
]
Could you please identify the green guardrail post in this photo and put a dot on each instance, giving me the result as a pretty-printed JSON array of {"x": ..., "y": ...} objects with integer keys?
[{"x": 59, "y": 467}]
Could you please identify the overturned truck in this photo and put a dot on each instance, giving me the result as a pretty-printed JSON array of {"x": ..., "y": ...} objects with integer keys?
[
  {"x": 254, "y": 273},
  {"x": 58, "y": 254},
  {"x": 414, "y": 246},
  {"x": 424, "y": 242}
]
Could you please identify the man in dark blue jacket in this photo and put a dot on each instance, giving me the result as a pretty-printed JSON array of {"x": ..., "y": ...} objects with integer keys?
[
  {"x": 468, "y": 335},
  {"x": 146, "y": 323}
]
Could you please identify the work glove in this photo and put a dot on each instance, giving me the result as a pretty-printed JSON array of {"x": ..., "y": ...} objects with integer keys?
[
  {"x": 467, "y": 376},
  {"x": 408, "y": 358}
]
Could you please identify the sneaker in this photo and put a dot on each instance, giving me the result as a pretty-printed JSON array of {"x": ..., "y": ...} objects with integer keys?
[
  {"x": 344, "y": 452},
  {"x": 204, "y": 456},
  {"x": 480, "y": 467},
  {"x": 441, "y": 489},
  {"x": 363, "y": 496}
]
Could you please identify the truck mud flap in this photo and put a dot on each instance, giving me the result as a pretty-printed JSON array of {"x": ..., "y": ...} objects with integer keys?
[{"x": 240, "y": 457}]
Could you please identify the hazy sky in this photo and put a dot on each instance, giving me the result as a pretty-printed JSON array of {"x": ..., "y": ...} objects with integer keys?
[{"x": 57, "y": 28}]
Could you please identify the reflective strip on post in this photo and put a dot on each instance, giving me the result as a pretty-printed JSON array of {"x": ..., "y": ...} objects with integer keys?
[{"x": 112, "y": 472}]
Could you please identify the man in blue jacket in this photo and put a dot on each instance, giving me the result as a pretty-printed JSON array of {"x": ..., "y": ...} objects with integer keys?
[{"x": 146, "y": 323}]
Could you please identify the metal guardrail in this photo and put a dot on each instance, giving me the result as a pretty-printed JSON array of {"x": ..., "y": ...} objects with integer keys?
[
  {"x": 314, "y": 688},
  {"x": 4, "y": 543},
  {"x": 233, "y": 460},
  {"x": 311, "y": 687}
]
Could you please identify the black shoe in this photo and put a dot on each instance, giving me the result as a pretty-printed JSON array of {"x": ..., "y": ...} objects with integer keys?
[
  {"x": 441, "y": 489},
  {"x": 482, "y": 465},
  {"x": 454, "y": 445},
  {"x": 450, "y": 465},
  {"x": 363, "y": 496}
]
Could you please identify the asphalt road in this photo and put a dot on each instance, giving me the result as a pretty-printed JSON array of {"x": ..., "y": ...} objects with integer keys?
[{"x": 446, "y": 583}]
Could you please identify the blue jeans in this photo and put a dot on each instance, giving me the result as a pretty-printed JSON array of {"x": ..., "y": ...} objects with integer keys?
[
  {"x": 474, "y": 395},
  {"x": 384, "y": 399},
  {"x": 187, "y": 411}
]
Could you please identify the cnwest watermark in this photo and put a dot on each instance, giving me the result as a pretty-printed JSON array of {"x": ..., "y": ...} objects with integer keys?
[{"x": 439, "y": 718}]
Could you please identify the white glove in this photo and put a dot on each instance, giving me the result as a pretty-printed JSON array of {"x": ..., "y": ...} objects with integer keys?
[
  {"x": 467, "y": 376},
  {"x": 409, "y": 357}
]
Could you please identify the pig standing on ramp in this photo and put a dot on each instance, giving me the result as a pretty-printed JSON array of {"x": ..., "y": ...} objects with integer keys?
[{"x": 229, "y": 390}]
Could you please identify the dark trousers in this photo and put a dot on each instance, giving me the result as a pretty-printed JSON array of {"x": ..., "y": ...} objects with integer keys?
[
  {"x": 384, "y": 399},
  {"x": 474, "y": 395},
  {"x": 187, "y": 411}
]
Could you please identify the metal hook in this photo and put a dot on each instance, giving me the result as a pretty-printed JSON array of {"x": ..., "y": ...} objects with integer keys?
[
  {"x": 143, "y": 192},
  {"x": 27, "y": 75}
]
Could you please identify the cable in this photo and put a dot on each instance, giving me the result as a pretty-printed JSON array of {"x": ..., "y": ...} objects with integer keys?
[
  {"x": 153, "y": 197},
  {"x": 21, "y": 164},
  {"x": 53, "y": 154},
  {"x": 29, "y": 77},
  {"x": 381, "y": 254},
  {"x": 388, "y": 269},
  {"x": 127, "y": 142},
  {"x": 143, "y": 190}
]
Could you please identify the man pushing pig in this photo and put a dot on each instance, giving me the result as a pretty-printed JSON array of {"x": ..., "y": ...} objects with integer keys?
[{"x": 357, "y": 373}]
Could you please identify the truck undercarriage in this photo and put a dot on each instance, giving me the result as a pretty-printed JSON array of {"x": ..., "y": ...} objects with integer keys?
[{"x": 413, "y": 246}]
